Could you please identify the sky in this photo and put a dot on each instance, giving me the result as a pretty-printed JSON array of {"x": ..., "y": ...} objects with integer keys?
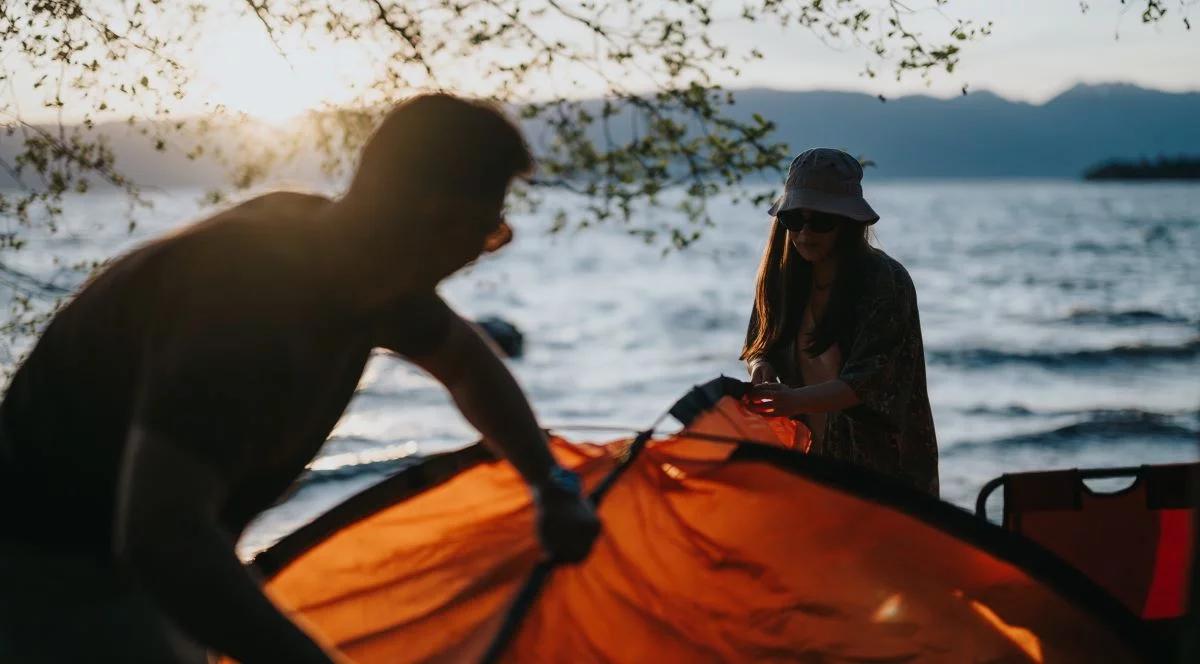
[{"x": 1037, "y": 49}]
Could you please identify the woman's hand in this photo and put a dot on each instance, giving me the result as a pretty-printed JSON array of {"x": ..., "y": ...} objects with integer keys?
[
  {"x": 778, "y": 400},
  {"x": 763, "y": 372},
  {"x": 774, "y": 400}
]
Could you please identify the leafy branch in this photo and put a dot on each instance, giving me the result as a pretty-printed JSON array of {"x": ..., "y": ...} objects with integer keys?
[{"x": 659, "y": 119}]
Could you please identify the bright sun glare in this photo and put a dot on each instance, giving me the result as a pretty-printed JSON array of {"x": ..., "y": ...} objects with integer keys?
[{"x": 238, "y": 67}]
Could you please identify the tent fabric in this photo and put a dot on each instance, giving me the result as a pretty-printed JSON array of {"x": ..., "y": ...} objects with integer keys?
[
  {"x": 721, "y": 543},
  {"x": 1137, "y": 543}
]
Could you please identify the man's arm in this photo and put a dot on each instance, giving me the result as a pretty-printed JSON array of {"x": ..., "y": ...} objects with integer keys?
[
  {"x": 489, "y": 397},
  {"x": 185, "y": 444},
  {"x": 458, "y": 356},
  {"x": 168, "y": 532}
]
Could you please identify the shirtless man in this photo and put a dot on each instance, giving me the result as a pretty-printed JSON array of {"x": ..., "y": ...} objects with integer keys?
[{"x": 185, "y": 388}]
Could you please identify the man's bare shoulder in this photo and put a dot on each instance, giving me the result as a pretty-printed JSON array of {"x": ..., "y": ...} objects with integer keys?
[
  {"x": 233, "y": 246},
  {"x": 283, "y": 205},
  {"x": 273, "y": 211},
  {"x": 256, "y": 230}
]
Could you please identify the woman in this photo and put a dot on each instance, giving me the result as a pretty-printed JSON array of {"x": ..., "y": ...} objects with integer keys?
[{"x": 834, "y": 337}]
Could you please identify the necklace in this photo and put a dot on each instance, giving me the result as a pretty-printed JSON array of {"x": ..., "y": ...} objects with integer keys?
[{"x": 820, "y": 287}]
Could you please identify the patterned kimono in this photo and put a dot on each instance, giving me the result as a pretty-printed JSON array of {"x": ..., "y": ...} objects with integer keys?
[{"x": 891, "y": 430}]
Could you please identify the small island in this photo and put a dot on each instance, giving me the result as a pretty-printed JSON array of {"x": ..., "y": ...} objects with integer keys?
[{"x": 1163, "y": 168}]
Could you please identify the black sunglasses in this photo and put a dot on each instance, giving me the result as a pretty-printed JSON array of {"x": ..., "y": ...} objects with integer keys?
[{"x": 817, "y": 222}]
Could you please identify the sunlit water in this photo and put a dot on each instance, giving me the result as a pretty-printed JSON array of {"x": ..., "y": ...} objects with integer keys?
[{"x": 1061, "y": 323}]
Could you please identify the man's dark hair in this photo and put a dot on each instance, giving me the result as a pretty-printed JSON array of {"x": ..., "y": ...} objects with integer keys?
[{"x": 439, "y": 143}]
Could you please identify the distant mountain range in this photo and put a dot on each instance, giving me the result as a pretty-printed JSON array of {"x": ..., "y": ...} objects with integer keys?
[
  {"x": 984, "y": 135},
  {"x": 976, "y": 135}
]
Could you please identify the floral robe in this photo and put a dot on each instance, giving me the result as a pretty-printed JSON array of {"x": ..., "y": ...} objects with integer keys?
[{"x": 891, "y": 430}]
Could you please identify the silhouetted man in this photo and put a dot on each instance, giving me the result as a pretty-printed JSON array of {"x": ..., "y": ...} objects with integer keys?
[{"x": 188, "y": 385}]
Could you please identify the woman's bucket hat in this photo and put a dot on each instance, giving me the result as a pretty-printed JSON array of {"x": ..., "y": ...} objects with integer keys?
[{"x": 825, "y": 180}]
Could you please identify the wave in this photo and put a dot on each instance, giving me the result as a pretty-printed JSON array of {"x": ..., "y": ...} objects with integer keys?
[
  {"x": 315, "y": 476},
  {"x": 974, "y": 358},
  {"x": 1104, "y": 427},
  {"x": 348, "y": 457},
  {"x": 1021, "y": 411},
  {"x": 1125, "y": 318},
  {"x": 1011, "y": 410}
]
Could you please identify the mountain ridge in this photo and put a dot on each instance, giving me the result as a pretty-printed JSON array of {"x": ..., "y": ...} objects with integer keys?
[{"x": 981, "y": 134}]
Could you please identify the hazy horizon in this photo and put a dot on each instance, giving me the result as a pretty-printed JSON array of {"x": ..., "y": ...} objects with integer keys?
[
  {"x": 1036, "y": 51},
  {"x": 832, "y": 90}
]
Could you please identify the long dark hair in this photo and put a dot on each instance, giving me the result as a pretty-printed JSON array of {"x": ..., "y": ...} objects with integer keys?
[{"x": 784, "y": 282}]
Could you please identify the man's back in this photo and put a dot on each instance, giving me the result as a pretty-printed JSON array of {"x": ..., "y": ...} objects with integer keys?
[{"x": 67, "y": 412}]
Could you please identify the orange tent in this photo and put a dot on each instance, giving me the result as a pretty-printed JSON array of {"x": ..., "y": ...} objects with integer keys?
[{"x": 720, "y": 544}]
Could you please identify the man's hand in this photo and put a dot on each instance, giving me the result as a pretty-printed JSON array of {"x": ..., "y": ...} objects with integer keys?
[
  {"x": 490, "y": 399},
  {"x": 567, "y": 525}
]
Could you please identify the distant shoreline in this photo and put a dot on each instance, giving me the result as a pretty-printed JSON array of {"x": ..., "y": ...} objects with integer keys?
[
  {"x": 1162, "y": 169},
  {"x": 769, "y": 181},
  {"x": 979, "y": 135}
]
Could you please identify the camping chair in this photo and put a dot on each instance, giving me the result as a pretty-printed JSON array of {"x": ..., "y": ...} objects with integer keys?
[{"x": 1137, "y": 543}]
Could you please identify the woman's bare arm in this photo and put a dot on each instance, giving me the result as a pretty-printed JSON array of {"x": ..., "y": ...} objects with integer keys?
[{"x": 783, "y": 401}]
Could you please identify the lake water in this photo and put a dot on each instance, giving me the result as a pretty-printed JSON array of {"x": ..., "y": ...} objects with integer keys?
[{"x": 1061, "y": 323}]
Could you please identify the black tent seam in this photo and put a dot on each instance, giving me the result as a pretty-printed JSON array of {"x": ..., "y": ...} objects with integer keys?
[
  {"x": 423, "y": 475},
  {"x": 1043, "y": 565},
  {"x": 533, "y": 585},
  {"x": 859, "y": 482},
  {"x": 1024, "y": 554}
]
